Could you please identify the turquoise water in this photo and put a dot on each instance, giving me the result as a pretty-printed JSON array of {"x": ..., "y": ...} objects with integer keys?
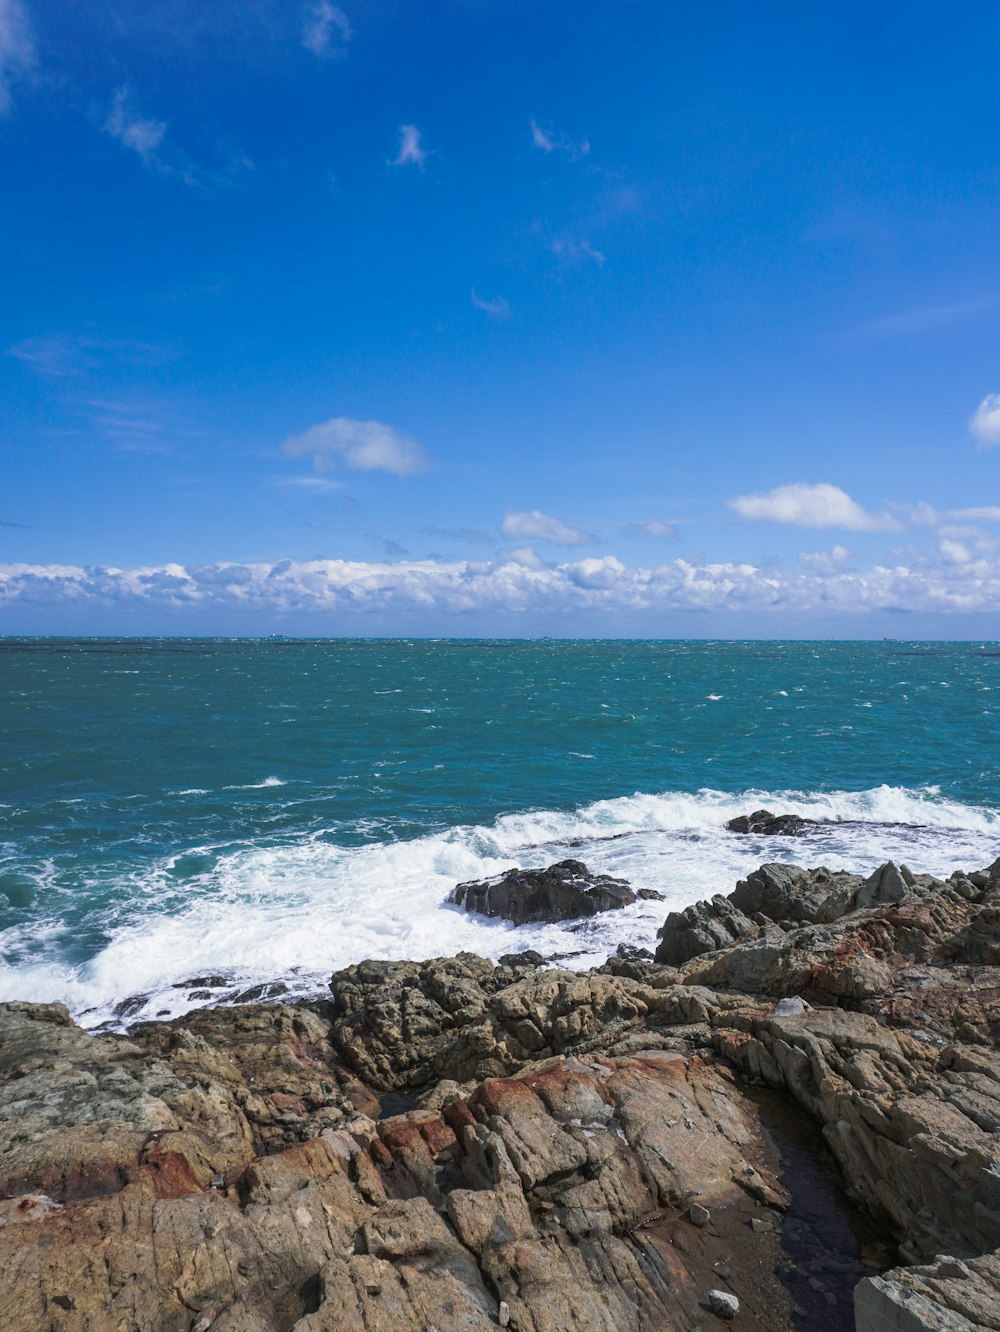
[{"x": 270, "y": 808}]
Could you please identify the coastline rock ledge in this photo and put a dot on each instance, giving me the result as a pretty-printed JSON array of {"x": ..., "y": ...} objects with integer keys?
[{"x": 461, "y": 1145}]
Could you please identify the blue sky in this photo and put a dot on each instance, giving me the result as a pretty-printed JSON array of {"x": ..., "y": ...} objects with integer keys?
[{"x": 474, "y": 318}]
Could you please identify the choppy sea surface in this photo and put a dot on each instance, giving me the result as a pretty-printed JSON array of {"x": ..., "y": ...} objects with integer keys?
[{"x": 255, "y": 810}]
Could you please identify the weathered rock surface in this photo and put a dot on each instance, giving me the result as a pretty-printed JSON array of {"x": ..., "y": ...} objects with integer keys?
[
  {"x": 554, "y": 1192},
  {"x": 564, "y": 891},
  {"x": 570, "y": 1150},
  {"x": 945, "y": 1296}
]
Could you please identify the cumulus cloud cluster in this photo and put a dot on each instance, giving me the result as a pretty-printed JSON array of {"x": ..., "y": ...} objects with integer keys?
[{"x": 603, "y": 584}]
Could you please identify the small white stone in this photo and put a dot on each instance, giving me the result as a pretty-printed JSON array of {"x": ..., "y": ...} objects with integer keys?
[
  {"x": 504, "y": 1316},
  {"x": 722, "y": 1304}
]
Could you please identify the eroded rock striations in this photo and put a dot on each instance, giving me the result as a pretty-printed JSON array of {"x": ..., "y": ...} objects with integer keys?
[{"x": 462, "y": 1145}]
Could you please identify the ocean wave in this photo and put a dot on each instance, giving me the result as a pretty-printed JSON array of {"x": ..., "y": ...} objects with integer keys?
[{"x": 302, "y": 908}]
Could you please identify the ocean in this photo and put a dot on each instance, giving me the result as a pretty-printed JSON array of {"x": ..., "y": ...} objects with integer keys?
[{"x": 182, "y": 820}]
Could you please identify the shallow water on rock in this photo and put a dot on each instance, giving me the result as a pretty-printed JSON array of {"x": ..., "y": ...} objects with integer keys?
[{"x": 829, "y": 1242}]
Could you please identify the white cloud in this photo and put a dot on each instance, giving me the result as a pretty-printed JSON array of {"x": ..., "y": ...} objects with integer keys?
[
  {"x": 985, "y": 424},
  {"x": 538, "y": 526},
  {"x": 17, "y": 48},
  {"x": 521, "y": 582},
  {"x": 655, "y": 528},
  {"x": 144, "y": 137},
  {"x": 528, "y": 557},
  {"x": 496, "y": 308},
  {"x": 925, "y": 319},
  {"x": 410, "y": 147},
  {"x": 827, "y": 561},
  {"x": 551, "y": 142},
  {"x": 803, "y": 505},
  {"x": 148, "y": 140},
  {"x": 312, "y": 483},
  {"x": 955, "y": 552},
  {"x": 575, "y": 251},
  {"x": 368, "y": 446},
  {"x": 326, "y": 29},
  {"x": 988, "y": 513}
]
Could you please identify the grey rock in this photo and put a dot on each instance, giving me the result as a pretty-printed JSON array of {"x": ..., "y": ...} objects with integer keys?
[
  {"x": 793, "y": 1006},
  {"x": 564, "y": 891},
  {"x": 723, "y": 1304}
]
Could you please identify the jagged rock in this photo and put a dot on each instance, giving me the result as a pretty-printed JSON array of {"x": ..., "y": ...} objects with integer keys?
[
  {"x": 947, "y": 1296},
  {"x": 703, "y": 928},
  {"x": 790, "y": 893},
  {"x": 564, "y": 891},
  {"x": 403, "y": 1024},
  {"x": 763, "y": 822}
]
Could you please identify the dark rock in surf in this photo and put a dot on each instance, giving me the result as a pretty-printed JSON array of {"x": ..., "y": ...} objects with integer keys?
[
  {"x": 766, "y": 824},
  {"x": 564, "y": 891}
]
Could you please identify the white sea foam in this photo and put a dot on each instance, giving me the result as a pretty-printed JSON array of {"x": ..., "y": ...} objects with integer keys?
[
  {"x": 300, "y": 910},
  {"x": 257, "y": 786}
]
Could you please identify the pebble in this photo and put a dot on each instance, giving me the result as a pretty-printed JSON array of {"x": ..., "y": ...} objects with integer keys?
[
  {"x": 722, "y": 1304},
  {"x": 700, "y": 1216}
]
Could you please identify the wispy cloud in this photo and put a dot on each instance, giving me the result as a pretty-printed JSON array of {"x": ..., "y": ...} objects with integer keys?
[
  {"x": 59, "y": 356},
  {"x": 801, "y": 505},
  {"x": 497, "y": 308},
  {"x": 17, "y": 48},
  {"x": 148, "y": 140},
  {"x": 538, "y": 526},
  {"x": 827, "y": 561},
  {"x": 314, "y": 484},
  {"x": 655, "y": 528},
  {"x": 392, "y": 550},
  {"x": 326, "y": 29},
  {"x": 551, "y": 141},
  {"x": 144, "y": 137},
  {"x": 925, "y": 319},
  {"x": 985, "y": 424},
  {"x": 986, "y": 513},
  {"x": 474, "y": 535},
  {"x": 577, "y": 251},
  {"x": 365, "y": 445},
  {"x": 411, "y": 149}
]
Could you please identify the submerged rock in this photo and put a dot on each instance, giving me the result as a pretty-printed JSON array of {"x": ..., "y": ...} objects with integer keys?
[
  {"x": 766, "y": 824},
  {"x": 564, "y": 891}
]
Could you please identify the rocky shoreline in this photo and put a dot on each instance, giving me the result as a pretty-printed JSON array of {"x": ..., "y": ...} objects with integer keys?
[{"x": 458, "y": 1144}]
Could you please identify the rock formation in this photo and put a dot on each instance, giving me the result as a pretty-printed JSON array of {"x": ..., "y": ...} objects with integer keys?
[
  {"x": 564, "y": 891},
  {"x": 461, "y": 1145},
  {"x": 764, "y": 823}
]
